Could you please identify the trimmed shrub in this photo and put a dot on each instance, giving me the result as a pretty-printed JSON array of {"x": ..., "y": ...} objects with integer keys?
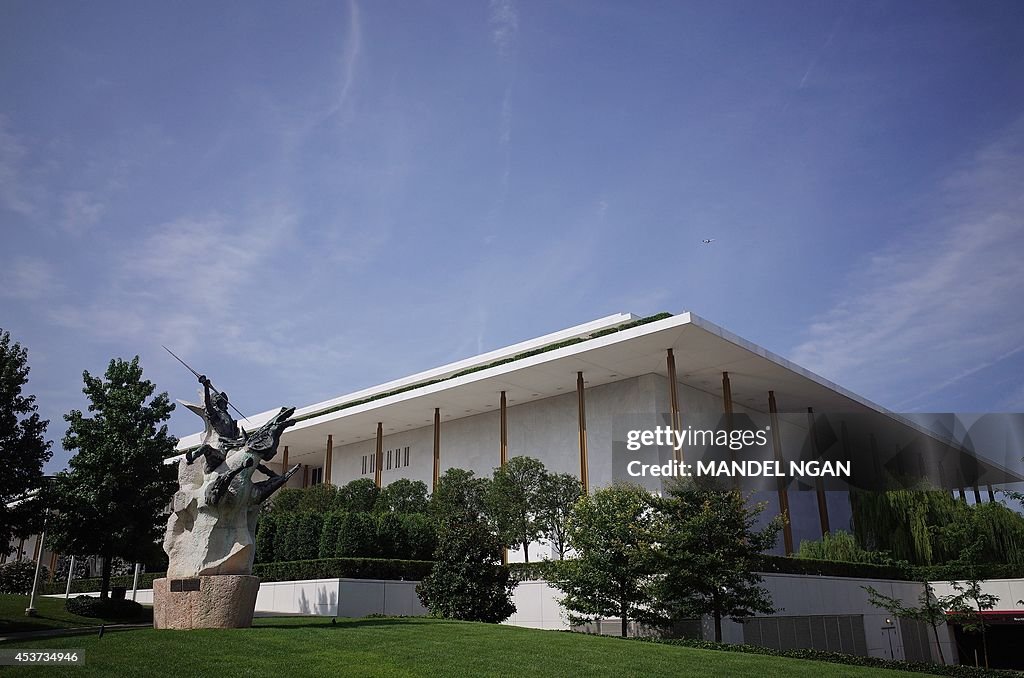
[
  {"x": 286, "y": 500},
  {"x": 333, "y": 522},
  {"x": 16, "y": 576},
  {"x": 391, "y": 536},
  {"x": 353, "y": 568},
  {"x": 284, "y": 524},
  {"x": 307, "y": 531},
  {"x": 120, "y": 610},
  {"x": 421, "y": 536},
  {"x": 321, "y": 498},
  {"x": 359, "y": 495},
  {"x": 358, "y": 537},
  {"x": 265, "y": 538}
]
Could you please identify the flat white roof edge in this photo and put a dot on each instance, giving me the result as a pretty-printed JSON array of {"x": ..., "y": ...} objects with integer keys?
[{"x": 440, "y": 372}]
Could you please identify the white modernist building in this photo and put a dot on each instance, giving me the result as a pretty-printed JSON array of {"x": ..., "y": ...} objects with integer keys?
[{"x": 564, "y": 398}]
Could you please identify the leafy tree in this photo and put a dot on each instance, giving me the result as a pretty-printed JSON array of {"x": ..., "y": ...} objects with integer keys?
[
  {"x": 112, "y": 499},
  {"x": 559, "y": 492},
  {"x": 611, "y": 533},
  {"x": 707, "y": 554},
  {"x": 320, "y": 498},
  {"x": 23, "y": 451},
  {"x": 967, "y": 606},
  {"x": 459, "y": 493},
  {"x": 468, "y": 580},
  {"x": 359, "y": 495},
  {"x": 265, "y": 530},
  {"x": 512, "y": 500},
  {"x": 929, "y": 610},
  {"x": 403, "y": 496}
]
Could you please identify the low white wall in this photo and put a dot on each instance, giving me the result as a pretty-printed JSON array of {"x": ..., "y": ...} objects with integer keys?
[{"x": 326, "y": 597}]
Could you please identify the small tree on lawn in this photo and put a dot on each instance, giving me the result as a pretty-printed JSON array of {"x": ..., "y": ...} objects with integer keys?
[
  {"x": 111, "y": 500},
  {"x": 611, "y": 533},
  {"x": 468, "y": 581},
  {"x": 513, "y": 499},
  {"x": 23, "y": 451},
  {"x": 559, "y": 492},
  {"x": 967, "y": 607},
  {"x": 929, "y": 610},
  {"x": 707, "y": 554}
]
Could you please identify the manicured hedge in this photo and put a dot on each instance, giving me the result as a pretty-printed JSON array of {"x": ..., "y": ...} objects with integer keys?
[
  {"x": 353, "y": 568},
  {"x": 834, "y": 568},
  {"x": 957, "y": 572},
  {"x": 93, "y": 584},
  {"x": 310, "y": 535},
  {"x": 958, "y": 670}
]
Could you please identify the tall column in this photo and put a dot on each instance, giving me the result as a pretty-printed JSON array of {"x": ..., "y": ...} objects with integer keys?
[
  {"x": 584, "y": 460},
  {"x": 504, "y": 430},
  {"x": 437, "y": 447},
  {"x": 305, "y": 475},
  {"x": 787, "y": 529},
  {"x": 727, "y": 399},
  {"x": 991, "y": 494},
  {"x": 380, "y": 452},
  {"x": 819, "y": 487},
  {"x": 673, "y": 397},
  {"x": 582, "y": 406},
  {"x": 327, "y": 461}
]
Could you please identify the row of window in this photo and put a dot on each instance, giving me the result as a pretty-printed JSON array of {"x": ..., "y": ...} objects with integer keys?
[{"x": 396, "y": 458}]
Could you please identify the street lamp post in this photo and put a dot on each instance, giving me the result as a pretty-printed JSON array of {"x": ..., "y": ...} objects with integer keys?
[{"x": 30, "y": 611}]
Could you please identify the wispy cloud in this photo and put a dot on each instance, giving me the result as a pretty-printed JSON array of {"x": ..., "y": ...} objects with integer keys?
[
  {"x": 824, "y": 48},
  {"x": 350, "y": 55},
  {"x": 942, "y": 304},
  {"x": 504, "y": 20},
  {"x": 82, "y": 209},
  {"x": 15, "y": 195},
  {"x": 29, "y": 279}
]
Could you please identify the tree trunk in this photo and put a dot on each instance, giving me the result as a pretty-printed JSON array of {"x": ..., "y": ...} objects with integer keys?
[
  {"x": 718, "y": 616},
  {"x": 105, "y": 582},
  {"x": 625, "y": 622},
  {"x": 938, "y": 645},
  {"x": 526, "y": 551},
  {"x": 984, "y": 643}
]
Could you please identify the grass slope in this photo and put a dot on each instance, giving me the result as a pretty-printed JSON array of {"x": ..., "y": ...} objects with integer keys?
[
  {"x": 51, "y": 615},
  {"x": 305, "y": 646}
]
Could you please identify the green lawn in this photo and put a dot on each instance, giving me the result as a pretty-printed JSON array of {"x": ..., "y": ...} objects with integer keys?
[
  {"x": 311, "y": 646},
  {"x": 51, "y": 615}
]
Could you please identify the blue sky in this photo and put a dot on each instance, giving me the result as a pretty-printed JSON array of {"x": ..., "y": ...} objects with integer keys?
[{"x": 304, "y": 199}]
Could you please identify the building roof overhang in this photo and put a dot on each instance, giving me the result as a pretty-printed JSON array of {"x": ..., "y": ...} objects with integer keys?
[{"x": 702, "y": 352}]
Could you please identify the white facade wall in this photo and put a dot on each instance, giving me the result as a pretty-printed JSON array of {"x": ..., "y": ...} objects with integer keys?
[{"x": 547, "y": 429}]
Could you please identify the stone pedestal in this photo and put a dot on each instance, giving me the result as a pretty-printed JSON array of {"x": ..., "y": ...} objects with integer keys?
[{"x": 224, "y": 601}]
